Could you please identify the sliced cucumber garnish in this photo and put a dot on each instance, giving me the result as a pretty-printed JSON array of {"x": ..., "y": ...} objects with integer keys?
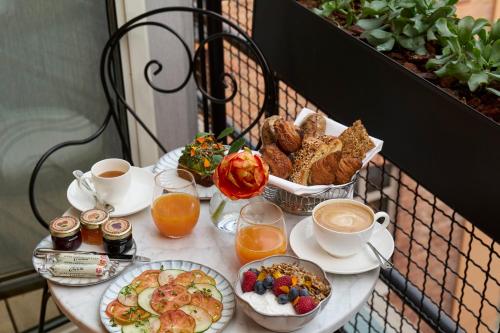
[
  {"x": 207, "y": 289},
  {"x": 144, "y": 300},
  {"x": 202, "y": 318},
  {"x": 168, "y": 276},
  {"x": 128, "y": 296},
  {"x": 138, "y": 327},
  {"x": 154, "y": 324}
]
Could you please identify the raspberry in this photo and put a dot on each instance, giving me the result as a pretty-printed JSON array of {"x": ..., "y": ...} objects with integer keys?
[
  {"x": 248, "y": 281},
  {"x": 282, "y": 285},
  {"x": 304, "y": 304}
]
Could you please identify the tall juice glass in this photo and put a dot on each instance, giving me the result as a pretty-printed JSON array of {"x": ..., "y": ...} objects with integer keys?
[
  {"x": 176, "y": 206},
  {"x": 260, "y": 232}
]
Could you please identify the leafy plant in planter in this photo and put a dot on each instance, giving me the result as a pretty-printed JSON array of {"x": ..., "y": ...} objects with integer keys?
[
  {"x": 471, "y": 54},
  {"x": 427, "y": 37}
]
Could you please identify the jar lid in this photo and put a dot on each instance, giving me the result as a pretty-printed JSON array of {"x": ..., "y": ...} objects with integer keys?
[
  {"x": 65, "y": 226},
  {"x": 115, "y": 229},
  {"x": 93, "y": 218}
]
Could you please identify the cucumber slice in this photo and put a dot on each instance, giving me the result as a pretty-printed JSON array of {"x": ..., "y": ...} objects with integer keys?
[
  {"x": 154, "y": 324},
  {"x": 202, "y": 318},
  {"x": 168, "y": 276},
  {"x": 144, "y": 300},
  {"x": 128, "y": 296},
  {"x": 138, "y": 327},
  {"x": 207, "y": 289}
]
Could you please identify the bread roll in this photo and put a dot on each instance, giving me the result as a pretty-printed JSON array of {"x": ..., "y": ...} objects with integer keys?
[
  {"x": 279, "y": 164},
  {"x": 287, "y": 137},
  {"x": 267, "y": 133},
  {"x": 313, "y": 149},
  {"x": 314, "y": 125},
  {"x": 356, "y": 141}
]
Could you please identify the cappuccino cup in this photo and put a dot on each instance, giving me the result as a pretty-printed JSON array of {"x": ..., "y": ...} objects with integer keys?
[
  {"x": 111, "y": 179},
  {"x": 342, "y": 227}
]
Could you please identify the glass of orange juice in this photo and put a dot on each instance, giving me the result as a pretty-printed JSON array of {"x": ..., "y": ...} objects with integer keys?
[
  {"x": 260, "y": 232},
  {"x": 176, "y": 206}
]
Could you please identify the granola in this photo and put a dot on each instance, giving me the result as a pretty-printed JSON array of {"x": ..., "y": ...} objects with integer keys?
[{"x": 315, "y": 285}]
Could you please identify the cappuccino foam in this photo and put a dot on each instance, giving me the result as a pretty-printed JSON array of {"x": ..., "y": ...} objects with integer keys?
[{"x": 344, "y": 217}]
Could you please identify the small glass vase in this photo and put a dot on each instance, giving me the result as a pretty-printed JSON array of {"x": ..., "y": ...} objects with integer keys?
[{"x": 225, "y": 212}]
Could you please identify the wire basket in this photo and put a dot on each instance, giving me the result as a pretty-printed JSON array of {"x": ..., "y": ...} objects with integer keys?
[{"x": 304, "y": 204}]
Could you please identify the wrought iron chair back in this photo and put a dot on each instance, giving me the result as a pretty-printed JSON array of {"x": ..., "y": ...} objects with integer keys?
[{"x": 229, "y": 32}]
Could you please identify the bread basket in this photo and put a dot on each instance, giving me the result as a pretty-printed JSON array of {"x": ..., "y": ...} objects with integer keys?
[
  {"x": 301, "y": 199},
  {"x": 304, "y": 204}
]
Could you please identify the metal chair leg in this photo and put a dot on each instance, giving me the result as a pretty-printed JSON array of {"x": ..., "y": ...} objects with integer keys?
[{"x": 43, "y": 307}]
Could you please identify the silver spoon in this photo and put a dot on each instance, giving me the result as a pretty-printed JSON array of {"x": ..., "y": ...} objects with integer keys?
[
  {"x": 82, "y": 181},
  {"x": 384, "y": 263}
]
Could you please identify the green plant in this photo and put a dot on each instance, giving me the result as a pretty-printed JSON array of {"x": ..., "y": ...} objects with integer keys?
[
  {"x": 470, "y": 49},
  {"x": 470, "y": 54}
]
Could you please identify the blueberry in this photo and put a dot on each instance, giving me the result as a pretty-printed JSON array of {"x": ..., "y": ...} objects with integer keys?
[
  {"x": 254, "y": 270},
  {"x": 283, "y": 299},
  {"x": 293, "y": 293},
  {"x": 268, "y": 282},
  {"x": 259, "y": 288},
  {"x": 303, "y": 292}
]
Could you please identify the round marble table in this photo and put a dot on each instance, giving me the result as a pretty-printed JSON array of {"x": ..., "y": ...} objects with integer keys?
[{"x": 211, "y": 247}]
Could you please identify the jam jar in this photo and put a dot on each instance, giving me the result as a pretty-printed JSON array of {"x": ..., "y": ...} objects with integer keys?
[
  {"x": 117, "y": 236},
  {"x": 65, "y": 233},
  {"x": 91, "y": 221}
]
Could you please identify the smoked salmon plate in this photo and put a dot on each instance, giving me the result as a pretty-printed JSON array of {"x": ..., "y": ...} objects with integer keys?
[{"x": 168, "y": 299}]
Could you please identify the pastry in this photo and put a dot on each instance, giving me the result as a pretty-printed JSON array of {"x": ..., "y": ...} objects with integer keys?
[
  {"x": 313, "y": 149},
  {"x": 346, "y": 168},
  {"x": 314, "y": 125},
  {"x": 356, "y": 141},
  {"x": 201, "y": 157},
  {"x": 278, "y": 162},
  {"x": 267, "y": 133},
  {"x": 323, "y": 170},
  {"x": 287, "y": 136}
]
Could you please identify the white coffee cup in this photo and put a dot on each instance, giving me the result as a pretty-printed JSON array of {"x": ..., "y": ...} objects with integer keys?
[
  {"x": 346, "y": 243},
  {"x": 111, "y": 190}
]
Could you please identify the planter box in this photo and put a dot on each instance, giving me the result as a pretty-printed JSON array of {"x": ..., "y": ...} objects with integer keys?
[{"x": 447, "y": 146}]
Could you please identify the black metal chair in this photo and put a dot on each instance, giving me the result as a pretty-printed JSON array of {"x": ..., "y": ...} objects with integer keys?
[{"x": 213, "y": 29}]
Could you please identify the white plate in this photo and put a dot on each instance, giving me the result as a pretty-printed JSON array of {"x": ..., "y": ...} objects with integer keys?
[
  {"x": 222, "y": 284},
  {"x": 78, "y": 282},
  {"x": 139, "y": 195},
  {"x": 304, "y": 245},
  {"x": 171, "y": 160}
]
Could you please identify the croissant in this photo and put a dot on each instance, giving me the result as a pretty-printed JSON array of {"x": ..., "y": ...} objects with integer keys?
[
  {"x": 347, "y": 167},
  {"x": 278, "y": 162},
  {"x": 323, "y": 171}
]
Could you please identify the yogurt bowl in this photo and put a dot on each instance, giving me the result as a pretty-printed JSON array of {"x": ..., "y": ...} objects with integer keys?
[{"x": 265, "y": 310}]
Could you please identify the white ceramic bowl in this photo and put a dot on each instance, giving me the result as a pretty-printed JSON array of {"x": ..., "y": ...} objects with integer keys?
[{"x": 280, "y": 323}]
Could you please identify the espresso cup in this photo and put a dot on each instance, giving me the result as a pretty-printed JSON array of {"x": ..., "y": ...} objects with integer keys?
[
  {"x": 111, "y": 179},
  {"x": 342, "y": 227}
]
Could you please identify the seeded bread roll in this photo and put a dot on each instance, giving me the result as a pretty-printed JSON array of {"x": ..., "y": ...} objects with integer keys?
[
  {"x": 356, "y": 141},
  {"x": 287, "y": 136},
  {"x": 278, "y": 162},
  {"x": 313, "y": 149},
  {"x": 267, "y": 132},
  {"x": 314, "y": 125}
]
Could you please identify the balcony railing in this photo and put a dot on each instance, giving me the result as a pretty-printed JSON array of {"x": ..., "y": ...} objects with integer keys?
[{"x": 447, "y": 271}]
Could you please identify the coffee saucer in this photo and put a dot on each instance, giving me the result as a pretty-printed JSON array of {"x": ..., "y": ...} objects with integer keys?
[
  {"x": 139, "y": 194},
  {"x": 304, "y": 245}
]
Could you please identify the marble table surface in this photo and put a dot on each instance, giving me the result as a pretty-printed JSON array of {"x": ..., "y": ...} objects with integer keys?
[{"x": 211, "y": 247}]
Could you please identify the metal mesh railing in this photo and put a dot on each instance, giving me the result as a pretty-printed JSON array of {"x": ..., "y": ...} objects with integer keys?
[{"x": 453, "y": 265}]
